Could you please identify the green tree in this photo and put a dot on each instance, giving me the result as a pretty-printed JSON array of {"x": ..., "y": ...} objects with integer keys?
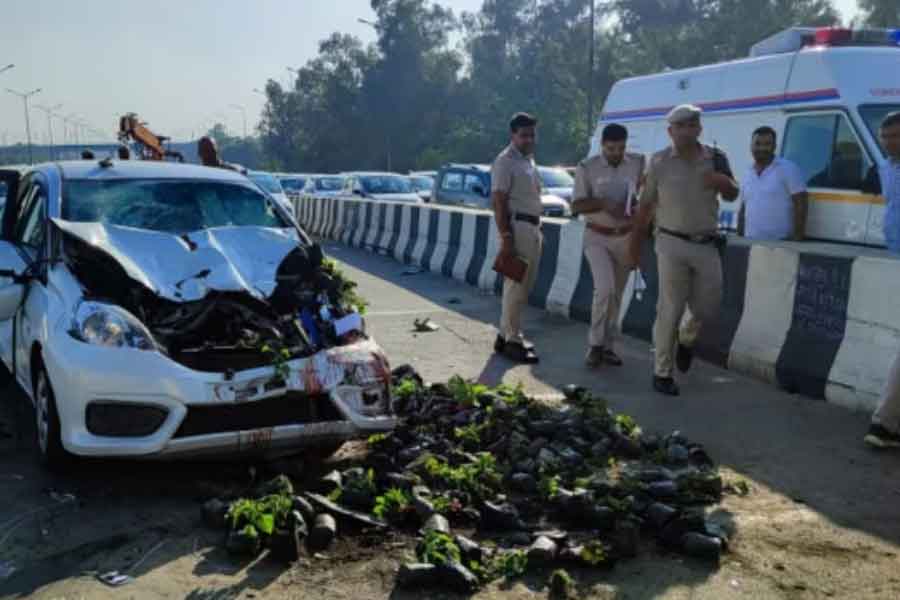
[
  {"x": 246, "y": 151},
  {"x": 880, "y": 13}
]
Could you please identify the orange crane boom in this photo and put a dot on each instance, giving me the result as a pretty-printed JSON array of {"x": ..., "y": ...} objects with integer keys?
[{"x": 150, "y": 144}]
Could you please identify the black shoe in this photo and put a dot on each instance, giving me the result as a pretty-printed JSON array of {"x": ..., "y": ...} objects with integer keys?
[
  {"x": 519, "y": 353},
  {"x": 594, "y": 357},
  {"x": 879, "y": 437},
  {"x": 499, "y": 344},
  {"x": 611, "y": 358},
  {"x": 665, "y": 385},
  {"x": 684, "y": 357}
]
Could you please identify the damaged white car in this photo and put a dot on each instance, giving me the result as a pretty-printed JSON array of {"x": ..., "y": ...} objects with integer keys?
[{"x": 155, "y": 309}]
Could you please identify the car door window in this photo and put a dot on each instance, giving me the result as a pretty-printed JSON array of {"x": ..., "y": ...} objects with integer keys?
[
  {"x": 473, "y": 184},
  {"x": 827, "y": 151},
  {"x": 452, "y": 182},
  {"x": 30, "y": 229}
]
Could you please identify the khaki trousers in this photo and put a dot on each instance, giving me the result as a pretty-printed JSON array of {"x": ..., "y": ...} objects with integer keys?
[
  {"x": 690, "y": 276},
  {"x": 606, "y": 256},
  {"x": 888, "y": 412},
  {"x": 528, "y": 241}
]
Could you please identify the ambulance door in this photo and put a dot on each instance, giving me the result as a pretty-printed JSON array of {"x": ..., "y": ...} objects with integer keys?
[{"x": 830, "y": 154}]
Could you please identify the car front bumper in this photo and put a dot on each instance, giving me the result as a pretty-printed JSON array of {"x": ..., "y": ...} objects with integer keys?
[{"x": 355, "y": 380}]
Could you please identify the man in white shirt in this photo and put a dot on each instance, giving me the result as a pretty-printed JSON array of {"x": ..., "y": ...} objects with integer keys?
[{"x": 773, "y": 193}]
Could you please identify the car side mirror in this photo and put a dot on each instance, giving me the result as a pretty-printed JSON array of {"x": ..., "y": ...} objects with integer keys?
[
  {"x": 12, "y": 280},
  {"x": 479, "y": 190},
  {"x": 358, "y": 192}
]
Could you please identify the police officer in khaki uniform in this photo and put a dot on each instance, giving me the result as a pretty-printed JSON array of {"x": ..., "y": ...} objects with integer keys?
[
  {"x": 605, "y": 186},
  {"x": 682, "y": 187},
  {"x": 516, "y": 197}
]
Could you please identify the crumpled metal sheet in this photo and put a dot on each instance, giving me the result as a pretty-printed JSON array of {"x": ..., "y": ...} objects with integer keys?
[
  {"x": 187, "y": 267},
  {"x": 360, "y": 364}
]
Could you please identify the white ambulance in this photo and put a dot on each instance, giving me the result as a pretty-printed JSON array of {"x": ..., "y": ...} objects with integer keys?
[{"x": 825, "y": 91}]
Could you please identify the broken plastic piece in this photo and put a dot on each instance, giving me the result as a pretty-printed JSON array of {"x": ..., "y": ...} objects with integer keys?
[
  {"x": 346, "y": 324},
  {"x": 309, "y": 324},
  {"x": 114, "y": 578},
  {"x": 425, "y": 325}
]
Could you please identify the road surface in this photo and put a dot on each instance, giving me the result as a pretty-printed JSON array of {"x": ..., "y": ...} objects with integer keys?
[{"x": 821, "y": 519}]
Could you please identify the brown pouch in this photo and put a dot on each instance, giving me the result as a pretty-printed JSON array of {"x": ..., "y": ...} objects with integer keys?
[{"x": 514, "y": 268}]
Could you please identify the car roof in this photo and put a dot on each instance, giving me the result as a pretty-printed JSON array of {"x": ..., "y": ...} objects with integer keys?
[
  {"x": 471, "y": 167},
  {"x": 143, "y": 169},
  {"x": 372, "y": 174}
]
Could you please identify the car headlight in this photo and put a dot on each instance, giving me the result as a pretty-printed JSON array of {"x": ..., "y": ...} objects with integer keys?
[{"x": 111, "y": 326}]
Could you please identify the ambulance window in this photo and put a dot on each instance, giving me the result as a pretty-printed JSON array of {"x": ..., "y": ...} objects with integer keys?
[{"x": 826, "y": 150}]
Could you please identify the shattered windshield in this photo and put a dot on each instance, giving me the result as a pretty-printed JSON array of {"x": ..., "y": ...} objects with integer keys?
[{"x": 172, "y": 206}]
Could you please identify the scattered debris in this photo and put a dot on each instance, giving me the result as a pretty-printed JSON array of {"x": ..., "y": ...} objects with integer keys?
[
  {"x": 412, "y": 271},
  {"x": 114, "y": 578},
  {"x": 425, "y": 325},
  {"x": 454, "y": 301},
  {"x": 562, "y": 586},
  {"x": 539, "y": 485},
  {"x": 323, "y": 532}
]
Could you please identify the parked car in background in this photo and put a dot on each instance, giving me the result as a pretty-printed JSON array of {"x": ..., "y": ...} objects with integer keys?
[
  {"x": 423, "y": 183},
  {"x": 293, "y": 183},
  {"x": 558, "y": 182},
  {"x": 134, "y": 301},
  {"x": 270, "y": 184},
  {"x": 381, "y": 186},
  {"x": 470, "y": 185},
  {"x": 325, "y": 185}
]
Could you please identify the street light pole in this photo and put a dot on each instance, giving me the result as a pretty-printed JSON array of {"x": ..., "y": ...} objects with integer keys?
[
  {"x": 243, "y": 116},
  {"x": 25, "y": 96},
  {"x": 49, "y": 112}
]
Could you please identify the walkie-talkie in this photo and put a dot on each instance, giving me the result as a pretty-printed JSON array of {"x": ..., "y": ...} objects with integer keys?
[{"x": 720, "y": 163}]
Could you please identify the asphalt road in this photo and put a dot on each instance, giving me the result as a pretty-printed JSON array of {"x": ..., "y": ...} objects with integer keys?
[{"x": 821, "y": 519}]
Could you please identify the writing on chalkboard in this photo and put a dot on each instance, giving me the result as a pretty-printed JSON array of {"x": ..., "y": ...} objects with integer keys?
[{"x": 820, "y": 301}]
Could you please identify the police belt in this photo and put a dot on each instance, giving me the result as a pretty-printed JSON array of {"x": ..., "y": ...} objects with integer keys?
[
  {"x": 614, "y": 231},
  {"x": 536, "y": 221},
  {"x": 696, "y": 238}
]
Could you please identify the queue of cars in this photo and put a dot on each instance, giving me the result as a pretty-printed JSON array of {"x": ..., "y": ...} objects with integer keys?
[{"x": 454, "y": 184}]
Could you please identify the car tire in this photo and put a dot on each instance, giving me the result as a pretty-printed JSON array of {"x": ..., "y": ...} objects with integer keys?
[{"x": 47, "y": 426}]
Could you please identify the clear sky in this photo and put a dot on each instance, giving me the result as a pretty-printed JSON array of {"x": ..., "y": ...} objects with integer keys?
[{"x": 179, "y": 65}]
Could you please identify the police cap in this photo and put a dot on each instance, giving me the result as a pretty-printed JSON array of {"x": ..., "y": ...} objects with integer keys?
[{"x": 683, "y": 113}]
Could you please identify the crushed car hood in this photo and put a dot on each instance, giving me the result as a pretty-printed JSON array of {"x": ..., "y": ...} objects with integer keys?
[{"x": 187, "y": 267}]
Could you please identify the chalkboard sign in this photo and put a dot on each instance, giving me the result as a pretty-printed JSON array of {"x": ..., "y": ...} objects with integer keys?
[{"x": 820, "y": 301}]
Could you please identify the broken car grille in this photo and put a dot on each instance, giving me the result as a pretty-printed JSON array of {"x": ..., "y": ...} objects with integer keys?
[{"x": 290, "y": 409}]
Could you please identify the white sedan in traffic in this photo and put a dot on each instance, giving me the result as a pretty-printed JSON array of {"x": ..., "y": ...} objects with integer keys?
[{"x": 157, "y": 309}]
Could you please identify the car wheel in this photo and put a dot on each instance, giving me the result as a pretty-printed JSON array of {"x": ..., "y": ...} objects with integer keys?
[{"x": 49, "y": 440}]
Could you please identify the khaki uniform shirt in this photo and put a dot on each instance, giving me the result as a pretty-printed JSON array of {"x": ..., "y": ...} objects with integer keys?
[
  {"x": 596, "y": 178},
  {"x": 675, "y": 187},
  {"x": 516, "y": 175}
]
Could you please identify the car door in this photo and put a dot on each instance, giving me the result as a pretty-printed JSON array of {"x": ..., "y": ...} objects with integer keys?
[
  {"x": 476, "y": 193},
  {"x": 8, "y": 212},
  {"x": 451, "y": 188},
  {"x": 31, "y": 239},
  {"x": 828, "y": 151}
]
